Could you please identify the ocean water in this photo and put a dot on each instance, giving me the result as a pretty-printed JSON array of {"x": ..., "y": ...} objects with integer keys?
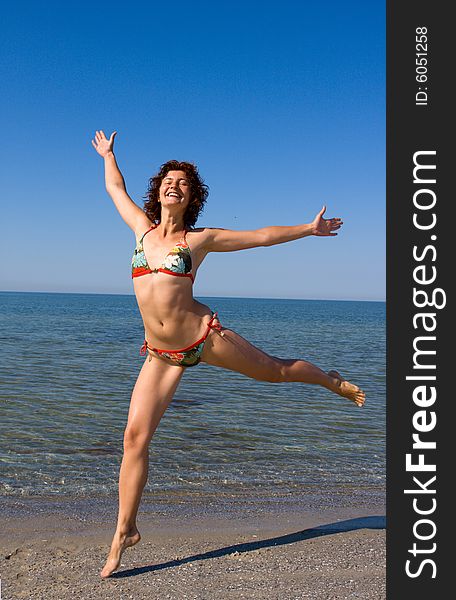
[{"x": 69, "y": 363}]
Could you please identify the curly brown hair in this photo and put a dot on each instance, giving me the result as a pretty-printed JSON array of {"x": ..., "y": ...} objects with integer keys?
[{"x": 199, "y": 192}]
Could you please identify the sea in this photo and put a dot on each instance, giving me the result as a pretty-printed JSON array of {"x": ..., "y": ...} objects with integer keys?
[{"x": 69, "y": 361}]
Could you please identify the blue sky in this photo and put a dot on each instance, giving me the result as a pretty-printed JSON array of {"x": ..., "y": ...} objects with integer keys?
[{"x": 281, "y": 105}]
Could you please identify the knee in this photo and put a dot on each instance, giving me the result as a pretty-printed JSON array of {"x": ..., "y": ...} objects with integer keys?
[
  {"x": 135, "y": 439},
  {"x": 277, "y": 372}
]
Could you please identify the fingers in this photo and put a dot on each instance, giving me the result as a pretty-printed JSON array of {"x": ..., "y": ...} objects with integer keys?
[
  {"x": 322, "y": 212},
  {"x": 100, "y": 136},
  {"x": 334, "y": 224}
]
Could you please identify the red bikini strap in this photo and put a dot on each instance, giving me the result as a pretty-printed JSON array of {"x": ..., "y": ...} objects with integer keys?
[
  {"x": 150, "y": 229},
  {"x": 218, "y": 327}
]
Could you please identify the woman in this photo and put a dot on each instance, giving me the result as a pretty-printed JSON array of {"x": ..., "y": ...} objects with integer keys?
[{"x": 180, "y": 332}]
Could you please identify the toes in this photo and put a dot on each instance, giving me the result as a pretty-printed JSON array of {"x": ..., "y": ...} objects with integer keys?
[
  {"x": 112, "y": 564},
  {"x": 360, "y": 398},
  {"x": 104, "y": 574},
  {"x": 108, "y": 571}
]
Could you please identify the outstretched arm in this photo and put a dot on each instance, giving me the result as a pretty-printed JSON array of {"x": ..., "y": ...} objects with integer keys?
[
  {"x": 227, "y": 240},
  {"x": 115, "y": 184}
]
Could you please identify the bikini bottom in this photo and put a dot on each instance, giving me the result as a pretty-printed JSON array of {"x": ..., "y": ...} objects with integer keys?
[{"x": 185, "y": 357}]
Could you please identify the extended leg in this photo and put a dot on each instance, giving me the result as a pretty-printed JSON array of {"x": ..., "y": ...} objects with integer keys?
[
  {"x": 152, "y": 394},
  {"x": 237, "y": 354}
]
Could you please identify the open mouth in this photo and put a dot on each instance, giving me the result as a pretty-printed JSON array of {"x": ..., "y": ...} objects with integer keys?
[{"x": 173, "y": 195}]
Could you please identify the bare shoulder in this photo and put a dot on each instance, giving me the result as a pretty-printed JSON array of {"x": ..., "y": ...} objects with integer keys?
[
  {"x": 199, "y": 235},
  {"x": 206, "y": 233}
]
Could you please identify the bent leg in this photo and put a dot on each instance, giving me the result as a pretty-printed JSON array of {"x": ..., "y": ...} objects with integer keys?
[
  {"x": 234, "y": 352},
  {"x": 152, "y": 394}
]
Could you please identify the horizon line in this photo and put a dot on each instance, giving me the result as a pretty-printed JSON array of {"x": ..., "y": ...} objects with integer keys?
[{"x": 200, "y": 296}]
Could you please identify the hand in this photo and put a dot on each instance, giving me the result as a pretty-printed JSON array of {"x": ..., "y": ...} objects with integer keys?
[
  {"x": 325, "y": 227},
  {"x": 102, "y": 145}
]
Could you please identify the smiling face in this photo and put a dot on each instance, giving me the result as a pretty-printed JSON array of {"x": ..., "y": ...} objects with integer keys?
[{"x": 175, "y": 190}]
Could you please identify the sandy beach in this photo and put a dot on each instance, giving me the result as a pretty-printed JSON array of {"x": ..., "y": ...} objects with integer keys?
[{"x": 283, "y": 551}]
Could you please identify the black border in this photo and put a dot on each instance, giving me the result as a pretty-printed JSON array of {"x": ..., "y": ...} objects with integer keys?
[{"x": 411, "y": 128}]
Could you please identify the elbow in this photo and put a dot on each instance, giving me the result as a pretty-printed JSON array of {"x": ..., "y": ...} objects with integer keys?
[
  {"x": 113, "y": 187},
  {"x": 264, "y": 238}
]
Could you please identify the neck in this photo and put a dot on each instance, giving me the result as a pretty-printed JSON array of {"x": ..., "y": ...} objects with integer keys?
[{"x": 171, "y": 223}]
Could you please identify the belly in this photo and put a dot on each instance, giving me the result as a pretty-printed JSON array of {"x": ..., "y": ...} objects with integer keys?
[{"x": 172, "y": 317}]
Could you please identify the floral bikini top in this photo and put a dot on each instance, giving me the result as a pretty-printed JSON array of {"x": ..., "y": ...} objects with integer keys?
[{"x": 177, "y": 262}]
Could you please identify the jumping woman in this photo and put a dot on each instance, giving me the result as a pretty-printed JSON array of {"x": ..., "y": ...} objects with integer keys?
[{"x": 181, "y": 332}]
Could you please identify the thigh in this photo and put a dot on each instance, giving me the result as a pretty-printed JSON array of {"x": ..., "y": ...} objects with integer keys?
[
  {"x": 234, "y": 352},
  {"x": 153, "y": 391}
]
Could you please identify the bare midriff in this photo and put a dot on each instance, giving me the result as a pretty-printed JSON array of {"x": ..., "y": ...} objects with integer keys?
[{"x": 172, "y": 317}]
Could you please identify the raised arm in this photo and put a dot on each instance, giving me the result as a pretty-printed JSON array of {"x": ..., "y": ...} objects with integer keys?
[
  {"x": 227, "y": 240},
  {"x": 115, "y": 184}
]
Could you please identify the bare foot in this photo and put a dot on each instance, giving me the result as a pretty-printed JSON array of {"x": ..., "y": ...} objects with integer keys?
[
  {"x": 119, "y": 543},
  {"x": 348, "y": 390}
]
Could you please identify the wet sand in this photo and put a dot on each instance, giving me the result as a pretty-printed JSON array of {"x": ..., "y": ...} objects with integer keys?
[{"x": 253, "y": 550}]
